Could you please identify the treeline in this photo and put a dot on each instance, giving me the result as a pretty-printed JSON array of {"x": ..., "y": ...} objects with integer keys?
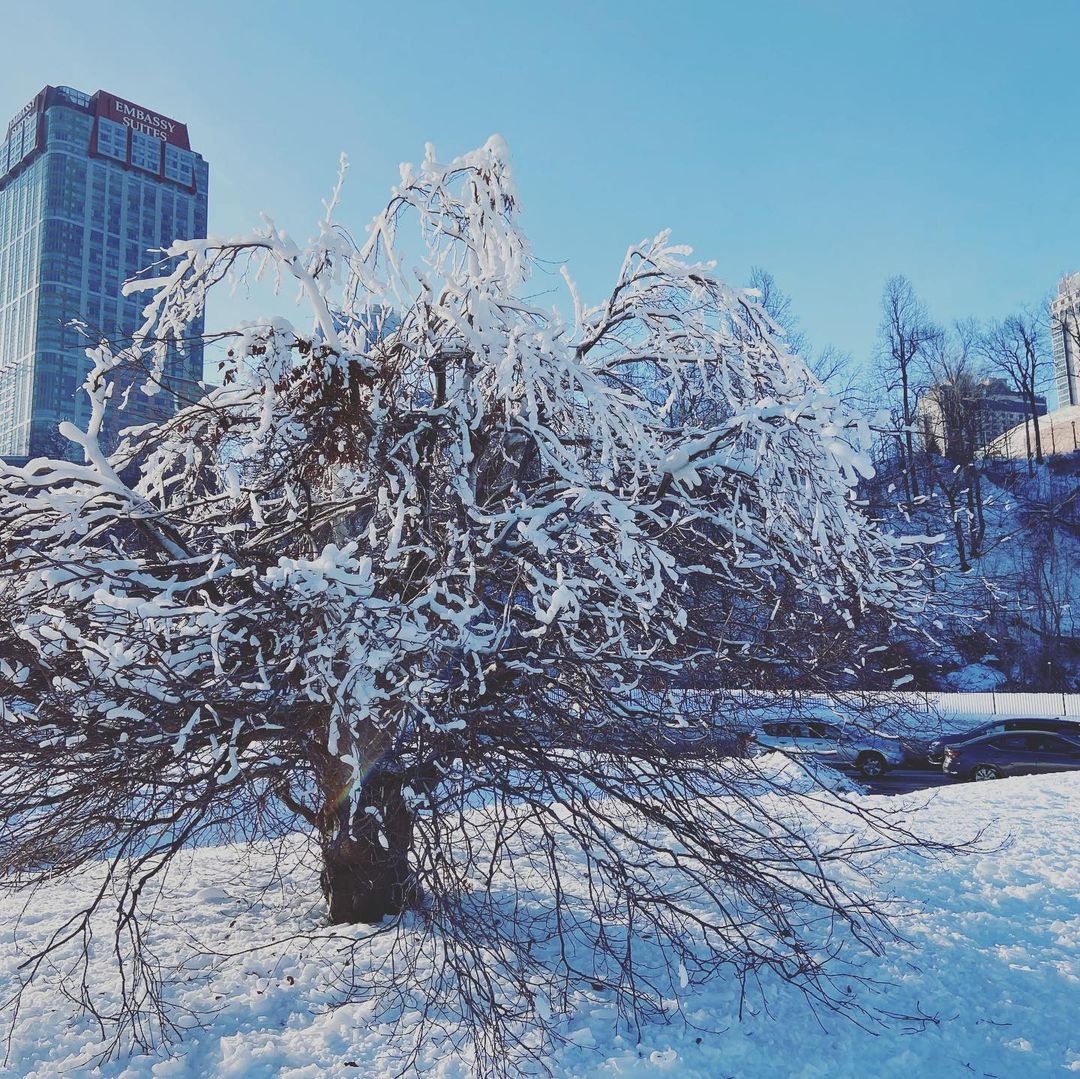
[{"x": 1002, "y": 576}]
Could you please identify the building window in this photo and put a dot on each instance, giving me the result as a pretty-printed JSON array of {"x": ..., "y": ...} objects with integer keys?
[
  {"x": 179, "y": 165},
  {"x": 112, "y": 139},
  {"x": 146, "y": 152},
  {"x": 76, "y": 97},
  {"x": 15, "y": 147},
  {"x": 29, "y": 133}
]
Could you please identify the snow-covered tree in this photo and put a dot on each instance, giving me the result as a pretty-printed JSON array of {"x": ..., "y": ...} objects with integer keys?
[{"x": 424, "y": 556}]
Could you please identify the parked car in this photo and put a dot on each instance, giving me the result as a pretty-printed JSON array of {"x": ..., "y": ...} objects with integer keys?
[
  {"x": 872, "y": 753},
  {"x": 1054, "y": 725},
  {"x": 1012, "y": 753}
]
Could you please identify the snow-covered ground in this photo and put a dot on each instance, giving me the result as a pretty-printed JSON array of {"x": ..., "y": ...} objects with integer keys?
[{"x": 992, "y": 961}]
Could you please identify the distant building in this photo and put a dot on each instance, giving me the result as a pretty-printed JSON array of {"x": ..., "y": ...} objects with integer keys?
[
  {"x": 992, "y": 406},
  {"x": 999, "y": 408},
  {"x": 89, "y": 184},
  {"x": 1065, "y": 334}
]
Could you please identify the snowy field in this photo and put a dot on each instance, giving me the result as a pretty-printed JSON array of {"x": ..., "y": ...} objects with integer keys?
[{"x": 992, "y": 962}]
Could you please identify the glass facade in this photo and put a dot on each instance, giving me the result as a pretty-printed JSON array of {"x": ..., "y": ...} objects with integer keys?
[
  {"x": 1065, "y": 337},
  {"x": 86, "y": 201}
]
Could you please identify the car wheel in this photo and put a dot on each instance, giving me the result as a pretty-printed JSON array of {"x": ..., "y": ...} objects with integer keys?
[
  {"x": 871, "y": 765},
  {"x": 982, "y": 772}
]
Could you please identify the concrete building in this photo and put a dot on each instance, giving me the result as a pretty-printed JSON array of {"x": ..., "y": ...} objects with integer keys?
[
  {"x": 999, "y": 408},
  {"x": 990, "y": 407},
  {"x": 89, "y": 186}
]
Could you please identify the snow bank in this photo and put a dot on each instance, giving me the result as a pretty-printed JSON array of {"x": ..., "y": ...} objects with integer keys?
[
  {"x": 803, "y": 775},
  {"x": 992, "y": 966}
]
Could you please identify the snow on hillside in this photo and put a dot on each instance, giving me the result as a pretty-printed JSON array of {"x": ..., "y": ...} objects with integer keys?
[
  {"x": 991, "y": 963},
  {"x": 1015, "y": 555},
  {"x": 1021, "y": 581}
]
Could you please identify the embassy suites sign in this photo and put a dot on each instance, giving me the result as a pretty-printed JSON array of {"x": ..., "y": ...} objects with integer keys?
[
  {"x": 31, "y": 106},
  {"x": 112, "y": 108},
  {"x": 34, "y": 105},
  {"x": 140, "y": 119}
]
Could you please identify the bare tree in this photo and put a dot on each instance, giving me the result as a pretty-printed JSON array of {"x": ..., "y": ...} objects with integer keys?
[
  {"x": 954, "y": 434},
  {"x": 905, "y": 336},
  {"x": 418, "y": 586},
  {"x": 778, "y": 306},
  {"x": 829, "y": 364},
  {"x": 1016, "y": 346}
]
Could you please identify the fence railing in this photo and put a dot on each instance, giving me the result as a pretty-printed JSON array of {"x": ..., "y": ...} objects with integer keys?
[
  {"x": 903, "y": 709},
  {"x": 1003, "y": 704},
  {"x": 944, "y": 705}
]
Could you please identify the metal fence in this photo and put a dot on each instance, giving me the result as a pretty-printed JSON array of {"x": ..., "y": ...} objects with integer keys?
[
  {"x": 968, "y": 704},
  {"x": 1024, "y": 705},
  {"x": 1003, "y": 704}
]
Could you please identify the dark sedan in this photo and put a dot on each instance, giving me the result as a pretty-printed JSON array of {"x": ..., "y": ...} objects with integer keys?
[
  {"x": 1012, "y": 754},
  {"x": 1069, "y": 727}
]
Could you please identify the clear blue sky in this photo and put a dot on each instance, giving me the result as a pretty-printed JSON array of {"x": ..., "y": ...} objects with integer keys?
[{"x": 834, "y": 142}]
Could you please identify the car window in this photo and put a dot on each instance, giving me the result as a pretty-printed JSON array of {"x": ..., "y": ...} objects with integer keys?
[
  {"x": 796, "y": 731},
  {"x": 823, "y": 730},
  {"x": 1049, "y": 743},
  {"x": 1046, "y": 723},
  {"x": 1011, "y": 742}
]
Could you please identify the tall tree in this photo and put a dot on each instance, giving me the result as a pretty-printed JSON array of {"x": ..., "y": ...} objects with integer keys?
[
  {"x": 905, "y": 335},
  {"x": 954, "y": 400},
  {"x": 410, "y": 583},
  {"x": 1015, "y": 346},
  {"x": 829, "y": 364}
]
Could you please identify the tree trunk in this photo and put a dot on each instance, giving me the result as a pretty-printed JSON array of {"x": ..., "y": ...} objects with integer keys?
[
  {"x": 366, "y": 872},
  {"x": 1035, "y": 422},
  {"x": 978, "y": 525},
  {"x": 909, "y": 439},
  {"x": 958, "y": 530},
  {"x": 973, "y": 531},
  {"x": 911, "y": 458},
  {"x": 905, "y": 470}
]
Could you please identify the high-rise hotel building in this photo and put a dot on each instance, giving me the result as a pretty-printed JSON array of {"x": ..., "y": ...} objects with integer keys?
[
  {"x": 90, "y": 186},
  {"x": 1065, "y": 336}
]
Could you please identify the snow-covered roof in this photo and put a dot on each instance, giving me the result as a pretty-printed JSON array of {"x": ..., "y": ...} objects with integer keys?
[{"x": 1059, "y": 430}]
